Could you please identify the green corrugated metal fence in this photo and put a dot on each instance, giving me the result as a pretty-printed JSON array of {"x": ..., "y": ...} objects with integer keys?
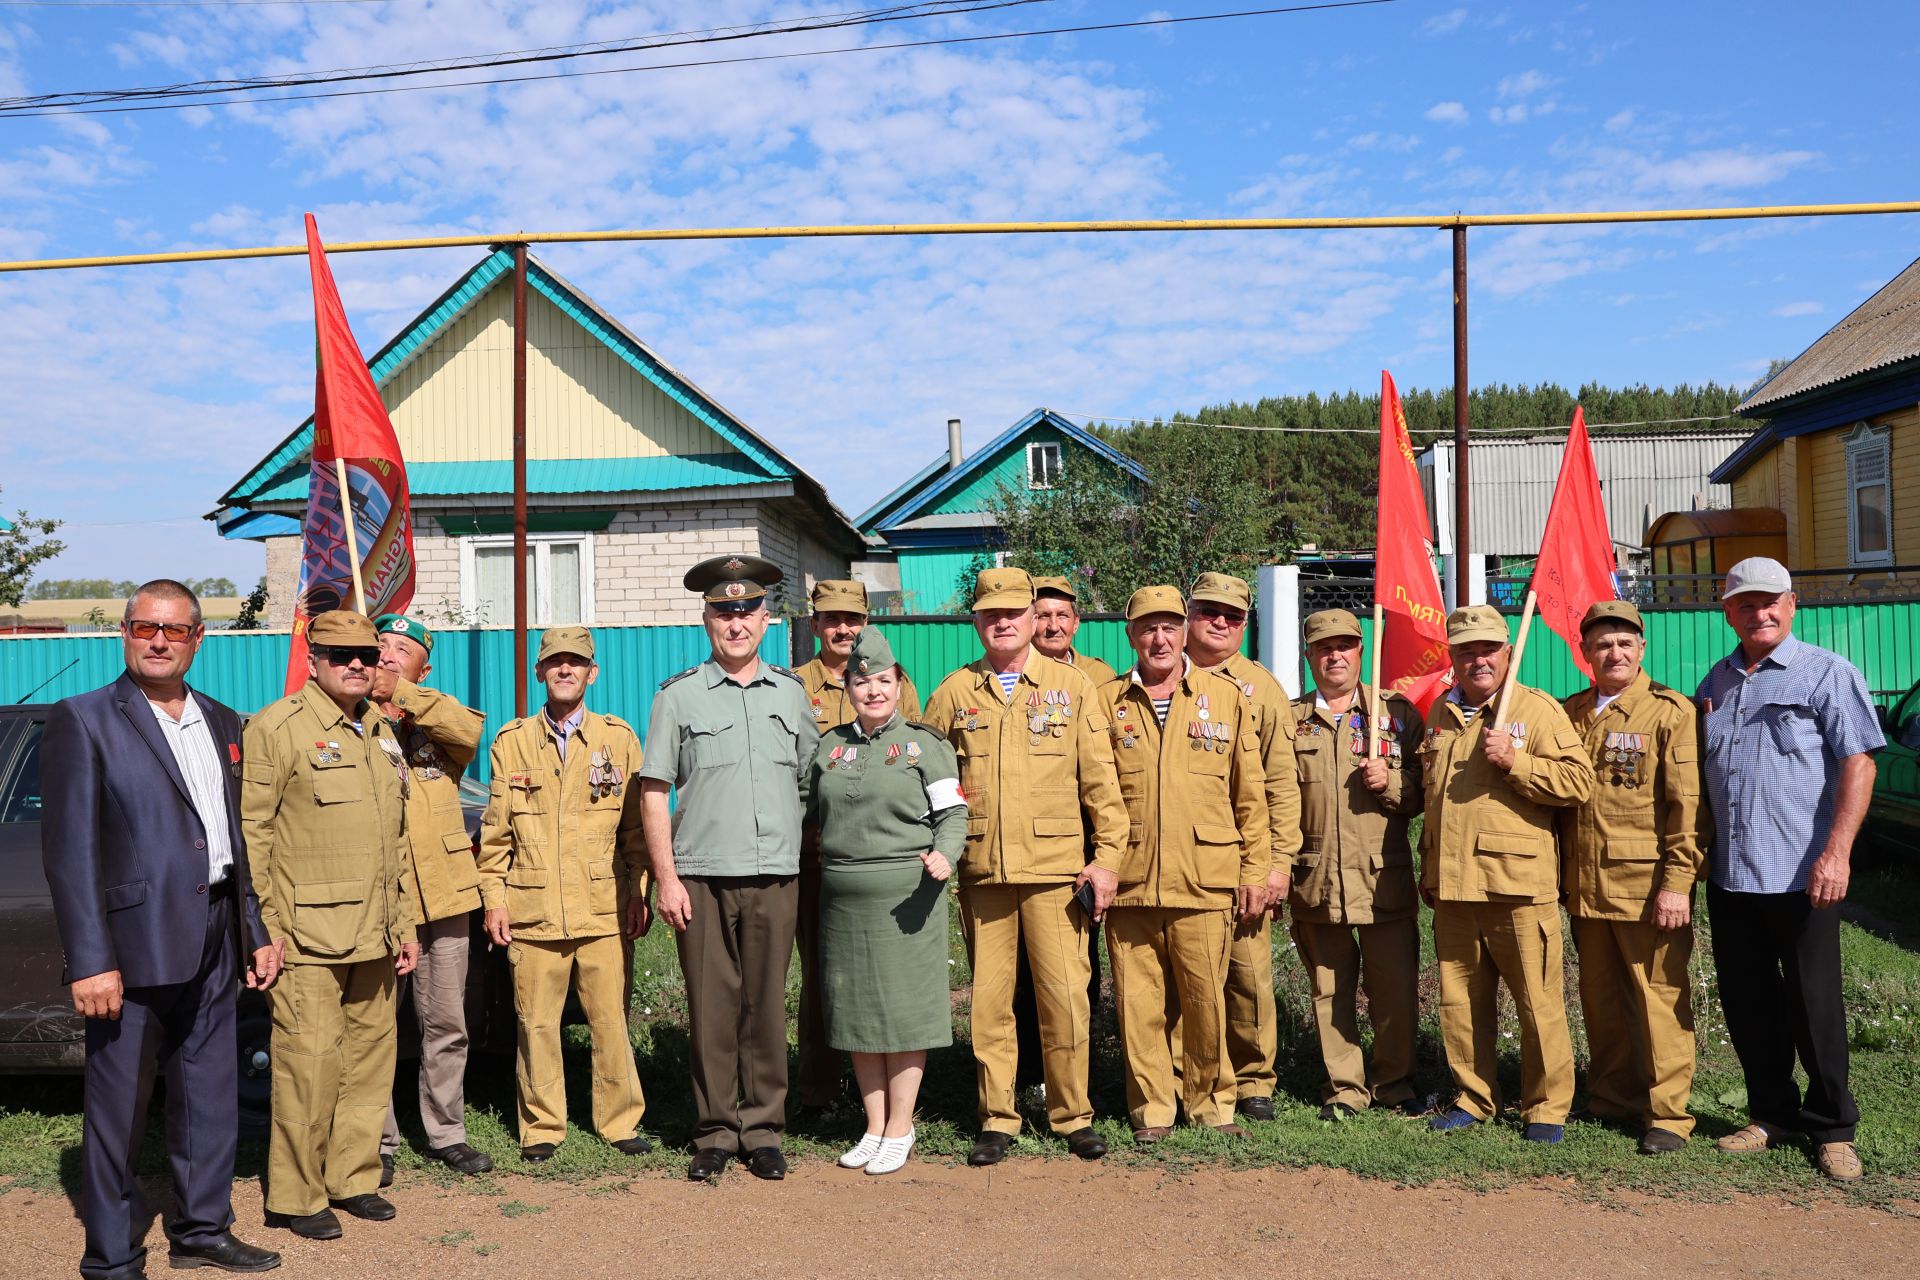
[
  {"x": 929, "y": 648},
  {"x": 247, "y": 670}
]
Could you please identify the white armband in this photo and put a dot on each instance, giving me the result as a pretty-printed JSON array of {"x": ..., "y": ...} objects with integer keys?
[{"x": 944, "y": 793}]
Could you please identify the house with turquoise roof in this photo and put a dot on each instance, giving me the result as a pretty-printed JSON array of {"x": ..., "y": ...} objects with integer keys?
[
  {"x": 633, "y": 473},
  {"x": 924, "y": 537}
]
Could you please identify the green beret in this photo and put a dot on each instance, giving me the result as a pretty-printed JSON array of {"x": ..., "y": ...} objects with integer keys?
[{"x": 398, "y": 624}]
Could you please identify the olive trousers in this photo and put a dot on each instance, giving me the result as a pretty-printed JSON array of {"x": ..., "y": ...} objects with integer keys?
[
  {"x": 1480, "y": 945},
  {"x": 333, "y": 1056},
  {"x": 1639, "y": 1015},
  {"x": 1384, "y": 960},
  {"x": 597, "y": 969},
  {"x": 1159, "y": 952}
]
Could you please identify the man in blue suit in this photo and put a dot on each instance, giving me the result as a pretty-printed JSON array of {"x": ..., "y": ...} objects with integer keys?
[{"x": 158, "y": 920}]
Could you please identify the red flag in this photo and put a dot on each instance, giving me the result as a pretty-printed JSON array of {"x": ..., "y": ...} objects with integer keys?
[
  {"x": 1413, "y": 652},
  {"x": 1576, "y": 564},
  {"x": 350, "y": 426}
]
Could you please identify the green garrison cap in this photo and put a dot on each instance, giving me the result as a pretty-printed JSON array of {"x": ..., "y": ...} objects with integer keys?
[
  {"x": 871, "y": 653},
  {"x": 398, "y": 624}
]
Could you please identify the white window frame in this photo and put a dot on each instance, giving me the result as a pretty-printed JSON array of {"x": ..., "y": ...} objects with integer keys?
[
  {"x": 1037, "y": 449},
  {"x": 1868, "y": 451},
  {"x": 540, "y": 603}
]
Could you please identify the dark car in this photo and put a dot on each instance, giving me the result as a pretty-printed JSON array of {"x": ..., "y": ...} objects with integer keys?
[
  {"x": 39, "y": 1030},
  {"x": 1894, "y": 814}
]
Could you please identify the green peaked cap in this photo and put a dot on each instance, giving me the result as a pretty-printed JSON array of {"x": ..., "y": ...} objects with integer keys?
[{"x": 871, "y": 653}]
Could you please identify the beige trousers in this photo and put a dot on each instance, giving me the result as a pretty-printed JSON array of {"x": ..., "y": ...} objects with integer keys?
[
  {"x": 1339, "y": 959},
  {"x": 1160, "y": 952},
  {"x": 439, "y": 985},
  {"x": 333, "y": 1057},
  {"x": 1639, "y": 1014},
  {"x": 1479, "y": 945},
  {"x": 542, "y": 972}
]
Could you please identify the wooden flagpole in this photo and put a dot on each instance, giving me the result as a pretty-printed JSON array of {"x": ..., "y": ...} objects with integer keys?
[
  {"x": 1373, "y": 716},
  {"x": 353, "y": 539},
  {"x": 1513, "y": 667}
]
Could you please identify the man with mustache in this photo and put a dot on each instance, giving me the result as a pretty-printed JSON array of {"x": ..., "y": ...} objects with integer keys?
[
  {"x": 1630, "y": 858},
  {"x": 1491, "y": 873}
]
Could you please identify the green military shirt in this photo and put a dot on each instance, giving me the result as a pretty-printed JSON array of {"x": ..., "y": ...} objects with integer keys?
[
  {"x": 886, "y": 798},
  {"x": 736, "y": 752}
]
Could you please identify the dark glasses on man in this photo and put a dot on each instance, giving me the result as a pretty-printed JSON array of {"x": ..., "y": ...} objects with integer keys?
[
  {"x": 141, "y": 629},
  {"x": 1233, "y": 617},
  {"x": 343, "y": 655}
]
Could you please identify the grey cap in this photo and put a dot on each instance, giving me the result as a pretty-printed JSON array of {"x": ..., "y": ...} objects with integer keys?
[
  {"x": 871, "y": 653},
  {"x": 1757, "y": 573}
]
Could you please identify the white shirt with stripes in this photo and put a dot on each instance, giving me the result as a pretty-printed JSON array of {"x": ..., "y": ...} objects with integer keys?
[{"x": 190, "y": 738}]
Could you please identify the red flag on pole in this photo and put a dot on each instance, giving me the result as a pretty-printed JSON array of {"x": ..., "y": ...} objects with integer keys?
[
  {"x": 358, "y": 541},
  {"x": 1406, "y": 592},
  {"x": 1576, "y": 564}
]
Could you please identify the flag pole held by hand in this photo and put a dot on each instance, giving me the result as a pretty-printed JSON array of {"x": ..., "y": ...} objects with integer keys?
[
  {"x": 1373, "y": 715},
  {"x": 353, "y": 539},
  {"x": 1513, "y": 667}
]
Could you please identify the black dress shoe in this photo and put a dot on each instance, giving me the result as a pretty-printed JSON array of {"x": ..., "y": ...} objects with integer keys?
[
  {"x": 310, "y": 1226},
  {"x": 1409, "y": 1107},
  {"x": 768, "y": 1163},
  {"x": 1337, "y": 1111},
  {"x": 538, "y": 1153},
  {"x": 989, "y": 1148},
  {"x": 373, "y": 1208},
  {"x": 707, "y": 1165},
  {"x": 223, "y": 1251},
  {"x": 1086, "y": 1144},
  {"x": 634, "y": 1146},
  {"x": 460, "y": 1158},
  {"x": 1255, "y": 1108},
  {"x": 386, "y": 1171},
  {"x": 1660, "y": 1142}
]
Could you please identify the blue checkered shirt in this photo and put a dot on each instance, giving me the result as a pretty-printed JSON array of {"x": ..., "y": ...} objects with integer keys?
[{"x": 1773, "y": 746}]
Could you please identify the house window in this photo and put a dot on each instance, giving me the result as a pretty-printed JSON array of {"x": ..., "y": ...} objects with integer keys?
[
  {"x": 1043, "y": 465},
  {"x": 559, "y": 580},
  {"x": 1869, "y": 497}
]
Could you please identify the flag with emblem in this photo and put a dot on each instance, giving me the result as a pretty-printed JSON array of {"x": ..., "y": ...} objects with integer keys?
[
  {"x": 1576, "y": 567},
  {"x": 1413, "y": 652},
  {"x": 353, "y": 447}
]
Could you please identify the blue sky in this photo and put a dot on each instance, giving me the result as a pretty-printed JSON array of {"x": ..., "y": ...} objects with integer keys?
[{"x": 135, "y": 396}]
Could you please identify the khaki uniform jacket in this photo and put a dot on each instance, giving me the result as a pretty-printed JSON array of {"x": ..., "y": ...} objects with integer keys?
[
  {"x": 439, "y": 738},
  {"x": 324, "y": 811},
  {"x": 1276, "y": 729},
  {"x": 1092, "y": 668},
  {"x": 561, "y": 855},
  {"x": 827, "y": 696},
  {"x": 1195, "y": 791},
  {"x": 1038, "y": 773},
  {"x": 1356, "y": 863},
  {"x": 1645, "y": 828},
  {"x": 1488, "y": 835}
]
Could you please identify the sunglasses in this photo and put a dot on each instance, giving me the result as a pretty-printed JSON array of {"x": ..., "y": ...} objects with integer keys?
[
  {"x": 177, "y": 632},
  {"x": 343, "y": 656},
  {"x": 1233, "y": 617}
]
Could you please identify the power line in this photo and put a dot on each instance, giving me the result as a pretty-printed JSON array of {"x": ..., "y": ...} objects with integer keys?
[
  {"x": 515, "y": 57},
  {"x": 1543, "y": 432},
  {"x": 719, "y": 62}
]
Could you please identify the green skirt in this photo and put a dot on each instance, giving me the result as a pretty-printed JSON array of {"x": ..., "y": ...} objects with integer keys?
[{"x": 883, "y": 957}]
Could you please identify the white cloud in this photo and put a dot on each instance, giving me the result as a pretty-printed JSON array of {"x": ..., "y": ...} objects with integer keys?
[
  {"x": 1441, "y": 24},
  {"x": 1523, "y": 85},
  {"x": 1619, "y": 120},
  {"x": 1515, "y": 114},
  {"x": 1447, "y": 113},
  {"x": 1793, "y": 309}
]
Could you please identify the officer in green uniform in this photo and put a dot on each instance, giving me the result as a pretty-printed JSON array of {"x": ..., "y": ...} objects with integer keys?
[
  {"x": 839, "y": 615},
  {"x": 439, "y": 738},
  {"x": 732, "y": 735},
  {"x": 322, "y": 800}
]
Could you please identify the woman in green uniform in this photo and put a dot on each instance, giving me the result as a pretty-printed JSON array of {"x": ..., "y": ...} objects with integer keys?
[{"x": 886, "y": 795}]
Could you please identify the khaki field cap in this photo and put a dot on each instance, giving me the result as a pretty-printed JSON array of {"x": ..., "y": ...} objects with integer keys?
[
  {"x": 577, "y": 641},
  {"x": 1003, "y": 589},
  {"x": 1222, "y": 588},
  {"x": 1757, "y": 573},
  {"x": 1476, "y": 622},
  {"x": 1062, "y": 587},
  {"x": 837, "y": 595},
  {"x": 1155, "y": 600},
  {"x": 1332, "y": 622},
  {"x": 871, "y": 653},
  {"x": 1613, "y": 611},
  {"x": 732, "y": 583},
  {"x": 343, "y": 627}
]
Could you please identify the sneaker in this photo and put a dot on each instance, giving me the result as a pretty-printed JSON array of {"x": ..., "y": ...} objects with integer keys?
[
  {"x": 1756, "y": 1136},
  {"x": 857, "y": 1156},
  {"x": 891, "y": 1156},
  {"x": 1547, "y": 1133},
  {"x": 1452, "y": 1118},
  {"x": 1839, "y": 1161}
]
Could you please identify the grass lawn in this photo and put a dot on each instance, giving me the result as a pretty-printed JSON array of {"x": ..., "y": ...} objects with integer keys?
[{"x": 40, "y": 1120}]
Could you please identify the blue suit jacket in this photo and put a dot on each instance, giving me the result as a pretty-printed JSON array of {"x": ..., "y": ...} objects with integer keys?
[{"x": 124, "y": 849}]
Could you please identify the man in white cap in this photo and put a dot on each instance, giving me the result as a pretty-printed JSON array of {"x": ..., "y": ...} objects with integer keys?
[{"x": 1790, "y": 737}]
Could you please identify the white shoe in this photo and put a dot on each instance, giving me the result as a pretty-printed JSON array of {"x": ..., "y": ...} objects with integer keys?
[
  {"x": 868, "y": 1147},
  {"x": 892, "y": 1154}
]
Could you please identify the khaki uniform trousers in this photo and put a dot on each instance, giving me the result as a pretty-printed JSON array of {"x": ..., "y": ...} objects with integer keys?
[
  {"x": 994, "y": 918},
  {"x": 1479, "y": 945},
  {"x": 1253, "y": 1028},
  {"x": 1639, "y": 1013},
  {"x": 1163, "y": 955},
  {"x": 542, "y": 972},
  {"x": 1336, "y": 957},
  {"x": 439, "y": 985},
  {"x": 333, "y": 1055}
]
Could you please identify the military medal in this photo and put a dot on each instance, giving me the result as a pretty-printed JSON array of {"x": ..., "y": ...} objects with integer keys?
[
  {"x": 893, "y": 753},
  {"x": 833, "y": 760},
  {"x": 913, "y": 752},
  {"x": 1205, "y": 714},
  {"x": 973, "y": 717}
]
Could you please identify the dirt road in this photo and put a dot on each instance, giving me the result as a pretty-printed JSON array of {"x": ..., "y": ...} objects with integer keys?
[{"x": 1033, "y": 1219}]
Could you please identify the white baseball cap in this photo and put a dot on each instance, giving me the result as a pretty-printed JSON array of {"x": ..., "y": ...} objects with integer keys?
[{"x": 1757, "y": 573}]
